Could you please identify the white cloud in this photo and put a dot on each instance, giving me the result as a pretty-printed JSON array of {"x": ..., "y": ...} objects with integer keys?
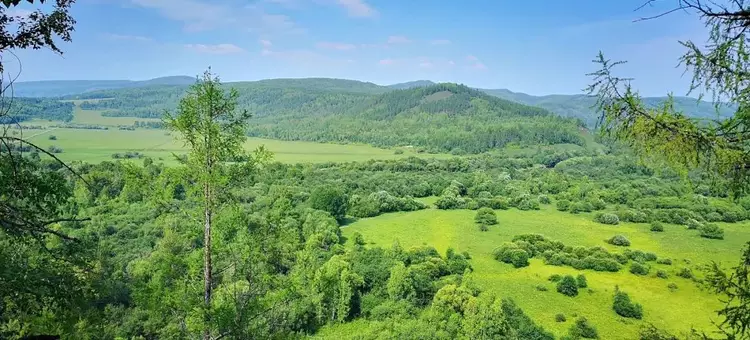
[
  {"x": 398, "y": 39},
  {"x": 440, "y": 42},
  {"x": 479, "y": 66},
  {"x": 357, "y": 8},
  {"x": 265, "y": 43},
  {"x": 336, "y": 46},
  {"x": 387, "y": 61},
  {"x": 451, "y": 63},
  {"x": 202, "y": 15},
  {"x": 113, "y": 36},
  {"x": 215, "y": 49},
  {"x": 426, "y": 64},
  {"x": 471, "y": 58}
]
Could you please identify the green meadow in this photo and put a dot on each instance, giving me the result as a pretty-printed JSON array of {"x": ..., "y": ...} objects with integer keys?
[
  {"x": 677, "y": 311},
  {"x": 99, "y": 145}
]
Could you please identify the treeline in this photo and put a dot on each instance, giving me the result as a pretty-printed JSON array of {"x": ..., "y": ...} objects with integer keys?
[
  {"x": 22, "y": 109},
  {"x": 440, "y": 118}
]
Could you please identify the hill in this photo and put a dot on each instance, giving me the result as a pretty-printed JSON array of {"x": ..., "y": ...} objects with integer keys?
[
  {"x": 412, "y": 84},
  {"x": 57, "y": 88},
  {"x": 437, "y": 118},
  {"x": 581, "y": 106}
]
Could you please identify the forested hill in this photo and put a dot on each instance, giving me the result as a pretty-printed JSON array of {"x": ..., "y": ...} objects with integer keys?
[
  {"x": 57, "y": 88},
  {"x": 581, "y": 106},
  {"x": 439, "y": 118}
]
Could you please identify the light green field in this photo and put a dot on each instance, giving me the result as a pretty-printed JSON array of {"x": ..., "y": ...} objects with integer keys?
[
  {"x": 99, "y": 145},
  {"x": 676, "y": 311}
]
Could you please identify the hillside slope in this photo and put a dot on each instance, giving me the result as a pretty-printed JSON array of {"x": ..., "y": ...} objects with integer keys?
[
  {"x": 439, "y": 118},
  {"x": 57, "y": 88}
]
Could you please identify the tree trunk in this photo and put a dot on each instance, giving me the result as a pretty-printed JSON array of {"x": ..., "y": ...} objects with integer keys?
[{"x": 207, "y": 279}]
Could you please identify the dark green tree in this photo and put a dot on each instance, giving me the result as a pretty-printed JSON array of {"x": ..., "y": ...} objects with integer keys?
[{"x": 330, "y": 199}]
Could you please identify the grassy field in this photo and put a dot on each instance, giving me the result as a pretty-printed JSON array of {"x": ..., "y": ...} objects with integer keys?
[
  {"x": 677, "y": 311},
  {"x": 99, "y": 145}
]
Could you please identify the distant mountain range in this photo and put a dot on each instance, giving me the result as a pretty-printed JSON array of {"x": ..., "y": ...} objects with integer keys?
[
  {"x": 58, "y": 88},
  {"x": 574, "y": 106}
]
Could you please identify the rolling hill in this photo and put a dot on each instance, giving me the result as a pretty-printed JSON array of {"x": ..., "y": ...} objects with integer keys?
[
  {"x": 57, "y": 88},
  {"x": 437, "y": 118}
]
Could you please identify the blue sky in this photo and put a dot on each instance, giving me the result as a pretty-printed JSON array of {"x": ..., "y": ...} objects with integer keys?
[{"x": 533, "y": 46}]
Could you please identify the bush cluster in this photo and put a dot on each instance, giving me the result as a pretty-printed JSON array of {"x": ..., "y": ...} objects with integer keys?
[
  {"x": 381, "y": 202},
  {"x": 656, "y": 226},
  {"x": 607, "y": 218},
  {"x": 568, "y": 286},
  {"x": 485, "y": 216},
  {"x": 626, "y": 308},
  {"x": 712, "y": 231},
  {"x": 619, "y": 240}
]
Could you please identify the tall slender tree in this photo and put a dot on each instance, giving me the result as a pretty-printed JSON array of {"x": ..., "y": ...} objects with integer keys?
[{"x": 213, "y": 128}]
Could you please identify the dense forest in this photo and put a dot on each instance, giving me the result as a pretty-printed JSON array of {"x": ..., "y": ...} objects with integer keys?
[
  {"x": 21, "y": 109},
  {"x": 421, "y": 117}
]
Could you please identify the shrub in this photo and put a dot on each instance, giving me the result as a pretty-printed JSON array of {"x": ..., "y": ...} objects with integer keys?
[
  {"x": 568, "y": 286},
  {"x": 583, "y": 329},
  {"x": 555, "y": 278},
  {"x": 664, "y": 261},
  {"x": 607, "y": 218},
  {"x": 54, "y": 149},
  {"x": 450, "y": 202},
  {"x": 685, "y": 273},
  {"x": 560, "y": 317},
  {"x": 52, "y": 137},
  {"x": 562, "y": 205},
  {"x": 581, "y": 206},
  {"x": 693, "y": 224},
  {"x": 499, "y": 203},
  {"x": 485, "y": 216},
  {"x": 626, "y": 308},
  {"x": 543, "y": 199},
  {"x": 656, "y": 226},
  {"x": 528, "y": 204},
  {"x": 714, "y": 217},
  {"x": 619, "y": 240},
  {"x": 483, "y": 227},
  {"x": 541, "y": 288},
  {"x": 661, "y": 274},
  {"x": 672, "y": 286},
  {"x": 639, "y": 269},
  {"x": 712, "y": 231},
  {"x": 581, "y": 280},
  {"x": 398, "y": 152},
  {"x": 511, "y": 253}
]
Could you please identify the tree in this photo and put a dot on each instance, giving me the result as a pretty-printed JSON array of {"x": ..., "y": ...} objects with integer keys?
[
  {"x": 720, "y": 147},
  {"x": 735, "y": 287},
  {"x": 568, "y": 286},
  {"x": 330, "y": 199},
  {"x": 214, "y": 130},
  {"x": 485, "y": 216}
]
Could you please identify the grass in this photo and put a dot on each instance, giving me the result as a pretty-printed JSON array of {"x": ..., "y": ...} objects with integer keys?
[
  {"x": 99, "y": 145},
  {"x": 676, "y": 311}
]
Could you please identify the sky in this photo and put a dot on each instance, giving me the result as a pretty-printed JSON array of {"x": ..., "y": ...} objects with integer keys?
[{"x": 533, "y": 46}]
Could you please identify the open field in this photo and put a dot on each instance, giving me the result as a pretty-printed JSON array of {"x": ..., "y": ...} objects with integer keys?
[
  {"x": 99, "y": 145},
  {"x": 676, "y": 311}
]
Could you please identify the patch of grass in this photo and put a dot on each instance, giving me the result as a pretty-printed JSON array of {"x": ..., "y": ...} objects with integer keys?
[
  {"x": 99, "y": 145},
  {"x": 675, "y": 310}
]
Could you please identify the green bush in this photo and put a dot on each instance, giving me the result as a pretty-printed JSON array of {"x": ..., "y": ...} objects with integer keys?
[
  {"x": 484, "y": 227},
  {"x": 581, "y": 280},
  {"x": 568, "y": 286},
  {"x": 672, "y": 286},
  {"x": 512, "y": 254},
  {"x": 626, "y": 308},
  {"x": 560, "y": 317},
  {"x": 541, "y": 288},
  {"x": 664, "y": 261},
  {"x": 583, "y": 329},
  {"x": 398, "y": 152},
  {"x": 656, "y": 226},
  {"x": 639, "y": 269},
  {"x": 562, "y": 205},
  {"x": 528, "y": 204},
  {"x": 607, "y": 218},
  {"x": 499, "y": 203},
  {"x": 685, "y": 273},
  {"x": 661, "y": 274},
  {"x": 485, "y": 216},
  {"x": 543, "y": 199},
  {"x": 555, "y": 278},
  {"x": 693, "y": 224},
  {"x": 619, "y": 240},
  {"x": 714, "y": 217},
  {"x": 712, "y": 231}
]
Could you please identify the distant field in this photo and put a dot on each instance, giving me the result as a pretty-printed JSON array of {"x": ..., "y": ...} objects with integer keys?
[
  {"x": 676, "y": 311},
  {"x": 99, "y": 145}
]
